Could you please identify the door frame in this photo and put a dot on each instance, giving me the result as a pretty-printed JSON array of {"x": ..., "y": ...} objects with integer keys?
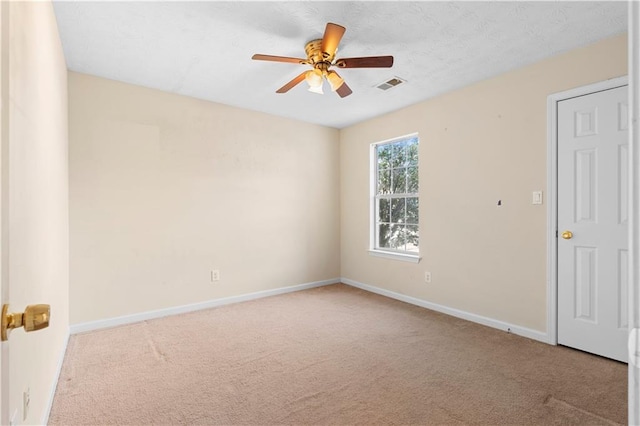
[
  {"x": 634, "y": 226},
  {"x": 4, "y": 202},
  {"x": 552, "y": 193}
]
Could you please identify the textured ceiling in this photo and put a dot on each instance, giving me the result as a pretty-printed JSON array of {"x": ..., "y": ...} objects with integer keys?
[{"x": 204, "y": 49}]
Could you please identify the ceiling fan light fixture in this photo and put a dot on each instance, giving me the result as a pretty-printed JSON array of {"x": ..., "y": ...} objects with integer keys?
[
  {"x": 334, "y": 80},
  {"x": 314, "y": 78},
  {"x": 320, "y": 56}
]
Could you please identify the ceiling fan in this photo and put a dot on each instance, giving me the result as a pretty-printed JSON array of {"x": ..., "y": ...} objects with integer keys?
[{"x": 320, "y": 55}]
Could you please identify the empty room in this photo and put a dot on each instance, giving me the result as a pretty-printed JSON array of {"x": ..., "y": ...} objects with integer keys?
[{"x": 344, "y": 212}]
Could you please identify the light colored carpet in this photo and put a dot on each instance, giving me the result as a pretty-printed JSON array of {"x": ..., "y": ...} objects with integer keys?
[{"x": 331, "y": 355}]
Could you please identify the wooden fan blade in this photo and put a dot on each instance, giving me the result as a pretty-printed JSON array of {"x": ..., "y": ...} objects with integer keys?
[
  {"x": 259, "y": 57},
  {"x": 343, "y": 90},
  {"x": 290, "y": 85},
  {"x": 331, "y": 39},
  {"x": 366, "y": 62}
]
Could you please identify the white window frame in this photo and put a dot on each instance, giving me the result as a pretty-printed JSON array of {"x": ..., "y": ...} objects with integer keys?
[{"x": 373, "y": 176}]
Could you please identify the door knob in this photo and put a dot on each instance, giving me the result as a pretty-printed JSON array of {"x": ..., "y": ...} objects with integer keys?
[
  {"x": 34, "y": 317},
  {"x": 567, "y": 235}
]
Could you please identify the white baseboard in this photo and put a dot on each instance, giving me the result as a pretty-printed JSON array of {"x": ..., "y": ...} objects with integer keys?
[
  {"x": 144, "y": 316},
  {"x": 52, "y": 392},
  {"x": 490, "y": 322}
]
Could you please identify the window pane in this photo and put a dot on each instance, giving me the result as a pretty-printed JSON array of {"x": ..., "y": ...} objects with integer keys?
[
  {"x": 412, "y": 152},
  {"x": 384, "y": 214},
  {"x": 399, "y": 181},
  {"x": 397, "y": 210},
  {"x": 412, "y": 180},
  {"x": 399, "y": 154},
  {"x": 412, "y": 210},
  {"x": 384, "y": 156},
  {"x": 412, "y": 237},
  {"x": 384, "y": 181},
  {"x": 384, "y": 235},
  {"x": 397, "y": 237}
]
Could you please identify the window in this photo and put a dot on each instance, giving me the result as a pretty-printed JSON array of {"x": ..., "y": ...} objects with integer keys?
[{"x": 395, "y": 202}]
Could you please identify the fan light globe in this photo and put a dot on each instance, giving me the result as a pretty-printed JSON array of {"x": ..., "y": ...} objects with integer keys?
[
  {"x": 314, "y": 78},
  {"x": 334, "y": 80}
]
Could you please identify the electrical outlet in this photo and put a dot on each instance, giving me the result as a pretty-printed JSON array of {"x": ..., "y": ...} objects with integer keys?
[
  {"x": 215, "y": 275},
  {"x": 26, "y": 400},
  {"x": 427, "y": 277}
]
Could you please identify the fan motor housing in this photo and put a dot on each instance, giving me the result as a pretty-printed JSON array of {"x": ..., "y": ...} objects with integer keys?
[{"x": 315, "y": 55}]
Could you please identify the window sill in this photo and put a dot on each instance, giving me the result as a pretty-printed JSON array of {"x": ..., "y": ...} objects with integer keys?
[{"x": 413, "y": 258}]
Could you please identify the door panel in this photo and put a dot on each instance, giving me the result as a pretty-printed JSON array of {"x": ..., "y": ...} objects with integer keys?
[
  {"x": 593, "y": 205},
  {"x": 585, "y": 295}
]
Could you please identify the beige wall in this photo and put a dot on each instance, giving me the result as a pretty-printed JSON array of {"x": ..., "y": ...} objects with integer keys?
[
  {"x": 37, "y": 189},
  {"x": 480, "y": 144},
  {"x": 163, "y": 188}
]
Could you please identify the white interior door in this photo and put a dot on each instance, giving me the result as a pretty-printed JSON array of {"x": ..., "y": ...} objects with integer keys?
[{"x": 592, "y": 223}]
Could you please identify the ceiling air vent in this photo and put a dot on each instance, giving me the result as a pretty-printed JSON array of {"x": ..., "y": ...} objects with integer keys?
[{"x": 393, "y": 82}]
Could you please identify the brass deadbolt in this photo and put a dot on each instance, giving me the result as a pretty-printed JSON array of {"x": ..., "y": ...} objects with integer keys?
[{"x": 35, "y": 317}]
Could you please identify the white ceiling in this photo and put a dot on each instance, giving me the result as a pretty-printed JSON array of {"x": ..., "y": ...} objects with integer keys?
[{"x": 204, "y": 49}]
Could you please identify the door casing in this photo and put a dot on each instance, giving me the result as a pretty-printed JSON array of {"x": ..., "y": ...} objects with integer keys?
[
  {"x": 4, "y": 202},
  {"x": 552, "y": 193}
]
